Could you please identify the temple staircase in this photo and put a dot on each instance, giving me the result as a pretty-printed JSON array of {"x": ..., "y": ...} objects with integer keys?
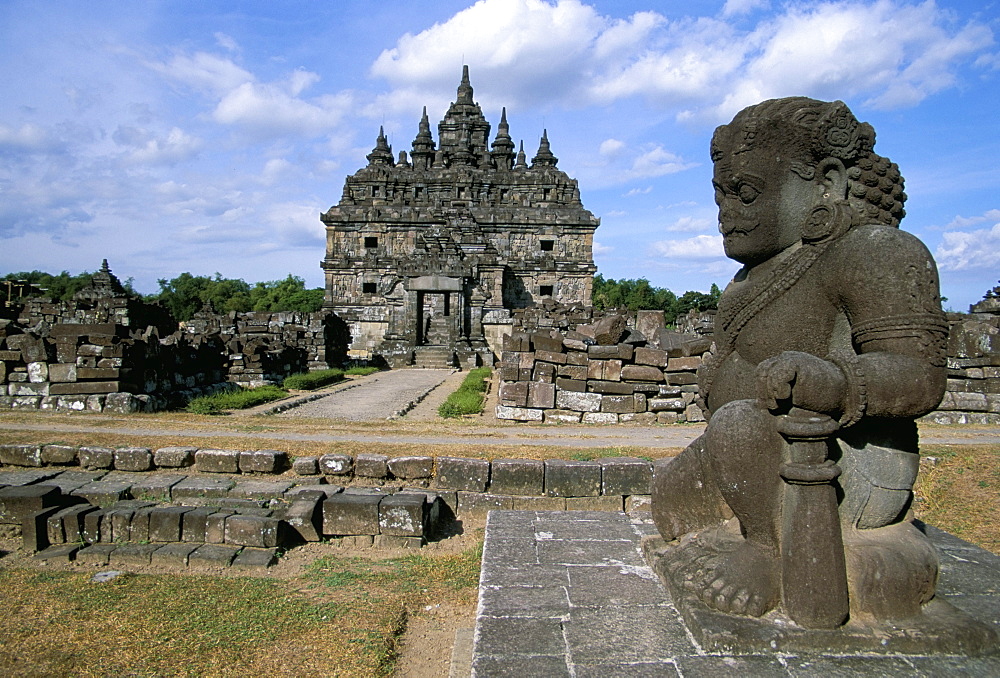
[{"x": 434, "y": 357}]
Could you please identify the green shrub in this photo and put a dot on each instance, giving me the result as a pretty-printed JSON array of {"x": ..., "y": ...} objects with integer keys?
[
  {"x": 235, "y": 400},
  {"x": 469, "y": 397},
  {"x": 307, "y": 381}
]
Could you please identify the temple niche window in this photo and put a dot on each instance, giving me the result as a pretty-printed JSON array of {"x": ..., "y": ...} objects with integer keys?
[
  {"x": 545, "y": 290},
  {"x": 371, "y": 242},
  {"x": 547, "y": 245},
  {"x": 369, "y": 288}
]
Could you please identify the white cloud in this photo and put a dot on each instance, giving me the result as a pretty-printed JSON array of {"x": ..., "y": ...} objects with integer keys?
[
  {"x": 739, "y": 7},
  {"x": 638, "y": 191},
  {"x": 616, "y": 213},
  {"x": 204, "y": 71},
  {"x": 602, "y": 249},
  {"x": 692, "y": 224},
  {"x": 698, "y": 247},
  {"x": 977, "y": 249},
  {"x": 176, "y": 146},
  {"x": 611, "y": 147},
  {"x": 656, "y": 162},
  {"x": 28, "y": 137}
]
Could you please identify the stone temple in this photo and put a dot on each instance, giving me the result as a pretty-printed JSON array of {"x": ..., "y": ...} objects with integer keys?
[{"x": 428, "y": 254}]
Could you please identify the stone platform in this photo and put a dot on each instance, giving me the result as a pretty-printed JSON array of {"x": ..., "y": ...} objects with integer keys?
[{"x": 570, "y": 594}]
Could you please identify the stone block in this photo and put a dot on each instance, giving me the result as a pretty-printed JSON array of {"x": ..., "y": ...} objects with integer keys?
[
  {"x": 304, "y": 519},
  {"x": 62, "y": 372},
  {"x": 305, "y": 466},
  {"x": 517, "y": 477},
  {"x": 133, "y": 459},
  {"x": 72, "y": 403},
  {"x": 213, "y": 555},
  {"x": 411, "y": 467},
  {"x": 666, "y": 404},
  {"x": 556, "y": 357},
  {"x": 568, "y": 478},
  {"x": 638, "y": 502},
  {"x": 95, "y": 554},
  {"x": 683, "y": 364},
  {"x": 336, "y": 464},
  {"x": 174, "y": 457},
  {"x": 617, "y": 403},
  {"x": 215, "y": 526},
  {"x": 86, "y": 388},
  {"x": 139, "y": 527},
  {"x": 539, "y": 503},
  {"x": 370, "y": 465},
  {"x": 513, "y": 393},
  {"x": 258, "y": 531},
  {"x": 577, "y": 359},
  {"x": 165, "y": 522},
  {"x": 402, "y": 515},
  {"x": 217, "y": 461},
  {"x": 561, "y": 416},
  {"x": 30, "y": 389},
  {"x": 610, "y": 387},
  {"x": 625, "y": 475},
  {"x": 351, "y": 514},
  {"x": 642, "y": 373},
  {"x": 263, "y": 461},
  {"x": 121, "y": 524},
  {"x": 34, "y": 529},
  {"x": 199, "y": 487},
  {"x": 609, "y": 330},
  {"x": 121, "y": 403},
  {"x": 61, "y": 455},
  {"x": 27, "y": 476},
  {"x": 103, "y": 492},
  {"x": 609, "y": 503},
  {"x": 642, "y": 418},
  {"x": 541, "y": 395},
  {"x": 599, "y": 418},
  {"x": 578, "y": 372},
  {"x": 64, "y": 553},
  {"x": 578, "y": 402},
  {"x": 92, "y": 523},
  {"x": 474, "y": 506},
  {"x": 96, "y": 457},
  {"x": 21, "y": 455},
  {"x": 132, "y": 554},
  {"x": 693, "y": 413},
  {"x": 681, "y": 378},
  {"x": 669, "y": 417},
  {"x": 261, "y": 489},
  {"x": 518, "y": 413},
  {"x": 251, "y": 558},
  {"x": 458, "y": 473},
  {"x": 19, "y": 501},
  {"x": 172, "y": 555},
  {"x": 156, "y": 487},
  {"x": 194, "y": 524}
]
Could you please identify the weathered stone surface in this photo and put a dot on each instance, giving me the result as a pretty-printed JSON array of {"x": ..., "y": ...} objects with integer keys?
[
  {"x": 255, "y": 531},
  {"x": 133, "y": 459},
  {"x": 96, "y": 457},
  {"x": 402, "y": 514},
  {"x": 60, "y": 553},
  {"x": 217, "y": 461},
  {"x": 457, "y": 473},
  {"x": 411, "y": 467},
  {"x": 666, "y": 404},
  {"x": 165, "y": 522},
  {"x": 625, "y": 475},
  {"x": 260, "y": 489},
  {"x": 194, "y": 487},
  {"x": 474, "y": 506},
  {"x": 578, "y": 402},
  {"x": 642, "y": 373},
  {"x": 213, "y": 555},
  {"x": 305, "y": 519},
  {"x": 21, "y": 455},
  {"x": 215, "y": 526},
  {"x": 172, "y": 555},
  {"x": 350, "y": 514},
  {"x": 370, "y": 465},
  {"x": 103, "y": 492},
  {"x": 600, "y": 418},
  {"x": 336, "y": 464},
  {"x": 156, "y": 487},
  {"x": 562, "y": 416},
  {"x": 251, "y": 558},
  {"x": 610, "y": 387},
  {"x": 194, "y": 524},
  {"x": 603, "y": 503},
  {"x": 539, "y": 503},
  {"x": 305, "y": 466},
  {"x": 59, "y": 454},
  {"x": 541, "y": 395},
  {"x": 95, "y": 554},
  {"x": 34, "y": 529},
  {"x": 609, "y": 330},
  {"x": 518, "y": 413},
  {"x": 132, "y": 554},
  {"x": 174, "y": 457},
  {"x": 617, "y": 403},
  {"x": 263, "y": 461},
  {"x": 568, "y": 478},
  {"x": 517, "y": 476}
]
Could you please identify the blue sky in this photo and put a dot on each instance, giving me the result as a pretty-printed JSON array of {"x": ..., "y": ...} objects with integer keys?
[{"x": 208, "y": 136}]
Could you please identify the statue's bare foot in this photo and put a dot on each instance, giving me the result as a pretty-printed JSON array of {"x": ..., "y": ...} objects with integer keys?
[{"x": 736, "y": 578}]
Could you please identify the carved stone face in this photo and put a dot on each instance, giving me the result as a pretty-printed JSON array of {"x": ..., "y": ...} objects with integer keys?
[{"x": 762, "y": 202}]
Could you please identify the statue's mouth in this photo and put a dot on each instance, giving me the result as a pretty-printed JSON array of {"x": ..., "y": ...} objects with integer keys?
[{"x": 740, "y": 228}]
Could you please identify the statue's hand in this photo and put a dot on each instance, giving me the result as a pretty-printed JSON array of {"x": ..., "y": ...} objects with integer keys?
[{"x": 796, "y": 379}]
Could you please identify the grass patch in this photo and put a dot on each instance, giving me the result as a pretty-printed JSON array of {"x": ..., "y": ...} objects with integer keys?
[
  {"x": 360, "y": 371},
  {"x": 307, "y": 381},
  {"x": 218, "y": 403},
  {"x": 960, "y": 492},
  {"x": 604, "y": 452},
  {"x": 469, "y": 397}
]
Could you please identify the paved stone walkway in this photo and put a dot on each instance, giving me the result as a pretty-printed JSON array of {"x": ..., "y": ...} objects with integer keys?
[
  {"x": 377, "y": 398},
  {"x": 570, "y": 594}
]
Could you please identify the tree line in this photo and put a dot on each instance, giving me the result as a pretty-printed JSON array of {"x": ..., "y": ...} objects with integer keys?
[
  {"x": 640, "y": 295},
  {"x": 187, "y": 294},
  {"x": 183, "y": 296}
]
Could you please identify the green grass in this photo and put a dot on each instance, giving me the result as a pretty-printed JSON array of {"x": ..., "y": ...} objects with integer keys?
[
  {"x": 359, "y": 371},
  {"x": 469, "y": 397},
  {"x": 218, "y": 403},
  {"x": 307, "y": 381}
]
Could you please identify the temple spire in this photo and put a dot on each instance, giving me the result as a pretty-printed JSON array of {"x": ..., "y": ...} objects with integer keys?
[
  {"x": 423, "y": 145},
  {"x": 465, "y": 88},
  {"x": 382, "y": 153},
  {"x": 521, "y": 164},
  {"x": 503, "y": 146},
  {"x": 544, "y": 156}
]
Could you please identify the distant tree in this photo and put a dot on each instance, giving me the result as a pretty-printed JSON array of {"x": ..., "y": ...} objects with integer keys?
[
  {"x": 289, "y": 294},
  {"x": 59, "y": 287},
  {"x": 637, "y": 295}
]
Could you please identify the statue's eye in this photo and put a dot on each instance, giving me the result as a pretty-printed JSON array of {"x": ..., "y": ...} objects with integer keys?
[{"x": 748, "y": 193}]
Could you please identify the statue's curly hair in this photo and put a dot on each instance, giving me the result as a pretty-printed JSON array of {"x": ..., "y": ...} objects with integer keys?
[{"x": 815, "y": 130}]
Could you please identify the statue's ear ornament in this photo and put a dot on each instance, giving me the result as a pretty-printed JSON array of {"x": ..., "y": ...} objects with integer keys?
[{"x": 828, "y": 220}]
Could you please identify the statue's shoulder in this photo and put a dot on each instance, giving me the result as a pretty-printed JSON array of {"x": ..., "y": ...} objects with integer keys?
[{"x": 877, "y": 248}]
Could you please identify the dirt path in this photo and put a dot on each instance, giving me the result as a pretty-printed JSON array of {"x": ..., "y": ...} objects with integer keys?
[{"x": 377, "y": 398}]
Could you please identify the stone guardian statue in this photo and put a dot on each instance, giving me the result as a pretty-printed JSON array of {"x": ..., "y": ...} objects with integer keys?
[{"x": 830, "y": 342}]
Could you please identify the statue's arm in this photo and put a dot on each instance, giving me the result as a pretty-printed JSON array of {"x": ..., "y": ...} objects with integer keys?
[{"x": 888, "y": 285}]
